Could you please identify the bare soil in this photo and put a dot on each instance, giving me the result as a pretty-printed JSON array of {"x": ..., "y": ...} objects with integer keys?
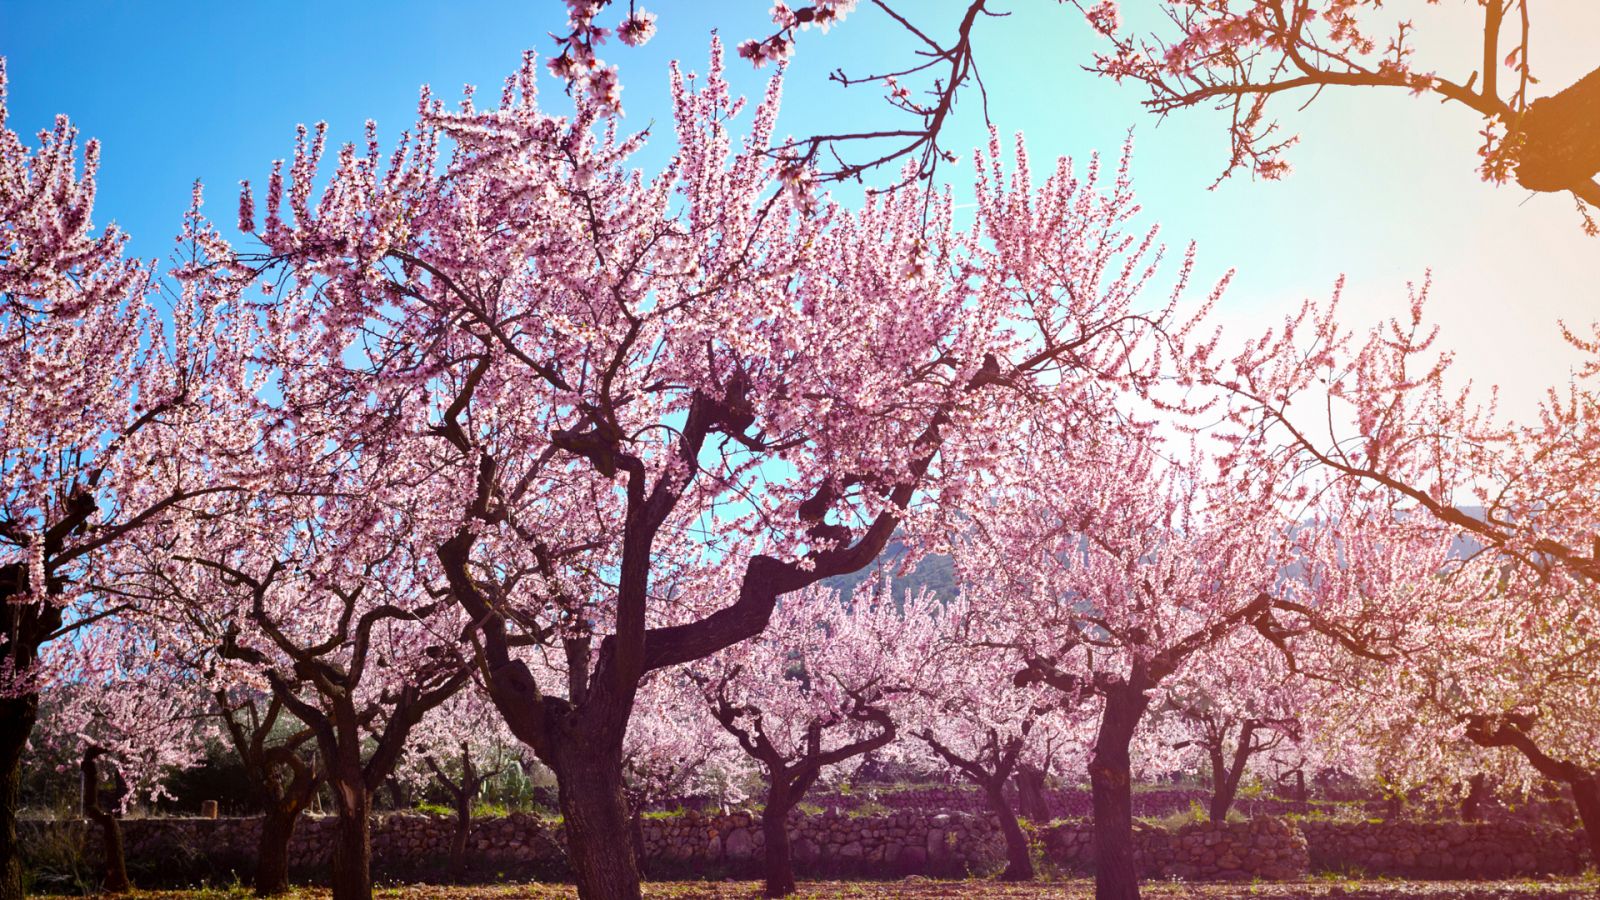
[{"x": 928, "y": 889}]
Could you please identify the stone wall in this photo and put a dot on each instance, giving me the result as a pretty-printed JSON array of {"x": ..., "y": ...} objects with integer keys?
[
  {"x": 1270, "y": 849},
  {"x": 1444, "y": 850},
  {"x": 1063, "y": 803},
  {"x": 884, "y": 846}
]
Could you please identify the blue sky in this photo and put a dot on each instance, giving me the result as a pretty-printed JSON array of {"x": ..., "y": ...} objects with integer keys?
[{"x": 1384, "y": 185}]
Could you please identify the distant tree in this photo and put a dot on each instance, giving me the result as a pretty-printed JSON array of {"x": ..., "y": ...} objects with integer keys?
[
  {"x": 816, "y": 689},
  {"x": 104, "y": 411},
  {"x": 973, "y": 719},
  {"x": 1507, "y": 507},
  {"x": 1232, "y": 724},
  {"x": 1112, "y": 580},
  {"x": 460, "y": 745},
  {"x": 130, "y": 718}
]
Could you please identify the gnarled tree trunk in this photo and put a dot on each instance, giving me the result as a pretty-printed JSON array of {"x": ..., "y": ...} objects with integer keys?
[
  {"x": 272, "y": 850},
  {"x": 1586, "y": 794},
  {"x": 1031, "y": 802},
  {"x": 595, "y": 815},
  {"x": 1002, "y": 761},
  {"x": 1116, "y": 876},
  {"x": 116, "y": 864},
  {"x": 352, "y": 850},
  {"x": 1019, "y": 861},
  {"x": 779, "y": 872},
  {"x": 17, "y": 715},
  {"x": 460, "y": 835},
  {"x": 1225, "y": 778}
]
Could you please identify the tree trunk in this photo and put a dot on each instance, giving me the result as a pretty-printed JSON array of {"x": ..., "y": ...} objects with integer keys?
[
  {"x": 352, "y": 852},
  {"x": 1586, "y": 794},
  {"x": 595, "y": 814},
  {"x": 775, "y": 829},
  {"x": 17, "y": 715},
  {"x": 272, "y": 852},
  {"x": 1031, "y": 800},
  {"x": 116, "y": 864},
  {"x": 1225, "y": 783},
  {"x": 463, "y": 830},
  {"x": 1562, "y": 134},
  {"x": 1394, "y": 805},
  {"x": 1115, "y": 875},
  {"x": 638, "y": 840},
  {"x": 1301, "y": 796},
  {"x": 1019, "y": 862},
  {"x": 1472, "y": 803},
  {"x": 399, "y": 797}
]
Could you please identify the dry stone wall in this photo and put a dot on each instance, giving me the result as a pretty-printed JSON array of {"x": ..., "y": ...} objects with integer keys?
[
  {"x": 882, "y": 846},
  {"x": 1450, "y": 850}
]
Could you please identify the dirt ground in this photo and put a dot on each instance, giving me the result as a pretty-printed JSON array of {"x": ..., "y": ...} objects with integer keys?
[{"x": 928, "y": 889}]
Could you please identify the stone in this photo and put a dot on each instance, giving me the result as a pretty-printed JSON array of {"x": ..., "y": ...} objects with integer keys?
[{"x": 740, "y": 843}]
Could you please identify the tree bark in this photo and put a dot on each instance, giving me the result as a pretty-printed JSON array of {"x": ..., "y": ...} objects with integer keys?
[
  {"x": 1472, "y": 803},
  {"x": 463, "y": 830},
  {"x": 17, "y": 715},
  {"x": 272, "y": 852},
  {"x": 1562, "y": 138},
  {"x": 116, "y": 864},
  {"x": 1586, "y": 794},
  {"x": 1225, "y": 780},
  {"x": 775, "y": 829},
  {"x": 638, "y": 841},
  {"x": 1116, "y": 876},
  {"x": 1019, "y": 862},
  {"x": 595, "y": 815},
  {"x": 1031, "y": 800},
  {"x": 352, "y": 851}
]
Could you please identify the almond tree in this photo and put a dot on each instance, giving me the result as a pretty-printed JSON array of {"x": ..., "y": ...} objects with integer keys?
[
  {"x": 311, "y": 586},
  {"x": 460, "y": 745},
  {"x": 1241, "y": 56},
  {"x": 1377, "y": 414},
  {"x": 1111, "y": 580},
  {"x": 1234, "y": 722},
  {"x": 674, "y": 751},
  {"x": 272, "y": 747},
  {"x": 973, "y": 718},
  {"x": 602, "y": 380},
  {"x": 128, "y": 715},
  {"x": 103, "y": 409},
  {"x": 351, "y": 643},
  {"x": 816, "y": 689},
  {"x": 198, "y": 634},
  {"x": 1493, "y": 675}
]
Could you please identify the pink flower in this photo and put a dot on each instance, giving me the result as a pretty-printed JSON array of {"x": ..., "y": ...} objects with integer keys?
[
  {"x": 1104, "y": 17},
  {"x": 637, "y": 29}
]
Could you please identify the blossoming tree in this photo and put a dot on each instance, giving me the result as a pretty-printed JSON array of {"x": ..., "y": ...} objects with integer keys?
[
  {"x": 817, "y": 688},
  {"x": 460, "y": 745},
  {"x": 608, "y": 381},
  {"x": 1237, "y": 706},
  {"x": 973, "y": 718},
  {"x": 129, "y": 715},
  {"x": 1111, "y": 579},
  {"x": 103, "y": 409}
]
